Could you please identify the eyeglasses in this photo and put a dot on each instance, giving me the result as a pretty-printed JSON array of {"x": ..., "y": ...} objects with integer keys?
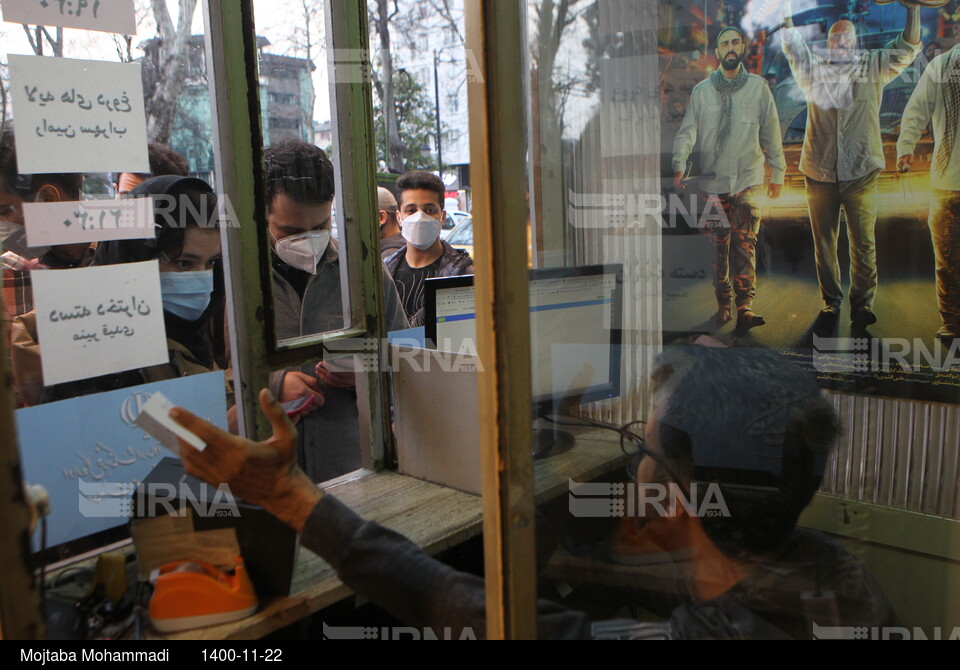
[{"x": 632, "y": 444}]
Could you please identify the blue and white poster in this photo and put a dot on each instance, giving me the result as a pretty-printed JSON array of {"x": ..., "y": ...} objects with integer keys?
[{"x": 89, "y": 455}]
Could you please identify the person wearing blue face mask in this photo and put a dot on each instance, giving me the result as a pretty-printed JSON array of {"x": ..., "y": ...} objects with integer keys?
[{"x": 187, "y": 248}]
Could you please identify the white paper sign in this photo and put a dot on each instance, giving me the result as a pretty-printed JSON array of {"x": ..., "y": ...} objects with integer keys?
[
  {"x": 78, "y": 115},
  {"x": 98, "y": 320},
  {"x": 50, "y": 223},
  {"x": 112, "y": 16}
]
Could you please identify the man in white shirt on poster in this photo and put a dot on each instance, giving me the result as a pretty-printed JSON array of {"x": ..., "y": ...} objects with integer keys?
[
  {"x": 843, "y": 150},
  {"x": 937, "y": 98},
  {"x": 732, "y": 123}
]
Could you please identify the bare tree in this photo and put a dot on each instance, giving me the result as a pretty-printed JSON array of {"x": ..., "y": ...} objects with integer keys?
[
  {"x": 381, "y": 20},
  {"x": 38, "y": 34},
  {"x": 443, "y": 9},
  {"x": 306, "y": 38},
  {"x": 553, "y": 85},
  {"x": 174, "y": 41},
  {"x": 124, "y": 46}
]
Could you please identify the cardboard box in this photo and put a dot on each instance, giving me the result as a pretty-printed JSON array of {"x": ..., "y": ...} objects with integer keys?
[{"x": 437, "y": 418}]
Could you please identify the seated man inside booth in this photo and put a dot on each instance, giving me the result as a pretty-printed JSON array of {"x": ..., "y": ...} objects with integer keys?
[{"x": 746, "y": 420}]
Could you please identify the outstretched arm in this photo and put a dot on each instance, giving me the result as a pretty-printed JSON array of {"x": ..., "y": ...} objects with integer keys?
[
  {"x": 264, "y": 473},
  {"x": 796, "y": 51},
  {"x": 911, "y": 33},
  {"x": 901, "y": 52},
  {"x": 374, "y": 561}
]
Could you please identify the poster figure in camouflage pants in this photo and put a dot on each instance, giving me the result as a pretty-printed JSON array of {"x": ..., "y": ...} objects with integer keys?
[
  {"x": 732, "y": 124},
  {"x": 733, "y": 229}
]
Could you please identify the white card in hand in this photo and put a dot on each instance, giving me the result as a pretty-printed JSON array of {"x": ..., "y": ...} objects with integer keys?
[{"x": 155, "y": 419}]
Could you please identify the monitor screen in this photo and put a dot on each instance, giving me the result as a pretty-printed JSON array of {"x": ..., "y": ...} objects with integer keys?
[{"x": 575, "y": 322}]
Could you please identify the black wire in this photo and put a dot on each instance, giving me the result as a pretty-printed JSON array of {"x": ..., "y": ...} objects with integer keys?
[{"x": 69, "y": 571}]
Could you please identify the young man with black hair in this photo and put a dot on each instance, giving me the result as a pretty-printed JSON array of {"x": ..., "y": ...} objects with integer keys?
[
  {"x": 745, "y": 421},
  {"x": 425, "y": 255},
  {"x": 307, "y": 297}
]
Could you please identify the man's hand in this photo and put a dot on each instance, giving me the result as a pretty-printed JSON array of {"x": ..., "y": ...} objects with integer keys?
[
  {"x": 678, "y": 182},
  {"x": 301, "y": 385},
  {"x": 773, "y": 191},
  {"x": 335, "y": 377},
  {"x": 264, "y": 473},
  {"x": 787, "y": 9},
  {"x": 905, "y": 164}
]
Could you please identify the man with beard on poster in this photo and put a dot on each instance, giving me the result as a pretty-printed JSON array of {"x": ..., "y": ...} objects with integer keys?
[
  {"x": 731, "y": 121},
  {"x": 937, "y": 98},
  {"x": 843, "y": 149}
]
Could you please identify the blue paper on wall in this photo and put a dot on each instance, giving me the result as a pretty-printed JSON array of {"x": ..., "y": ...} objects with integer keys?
[{"x": 90, "y": 455}]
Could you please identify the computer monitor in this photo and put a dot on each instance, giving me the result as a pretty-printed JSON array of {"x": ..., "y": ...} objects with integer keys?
[{"x": 575, "y": 330}]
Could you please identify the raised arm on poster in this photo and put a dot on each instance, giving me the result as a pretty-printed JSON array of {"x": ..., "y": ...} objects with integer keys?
[
  {"x": 78, "y": 116},
  {"x": 111, "y": 16},
  {"x": 50, "y": 223},
  {"x": 98, "y": 320}
]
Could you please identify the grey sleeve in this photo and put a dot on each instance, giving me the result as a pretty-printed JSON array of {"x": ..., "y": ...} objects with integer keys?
[
  {"x": 419, "y": 590},
  {"x": 770, "y": 140},
  {"x": 686, "y": 139},
  {"x": 919, "y": 110},
  {"x": 276, "y": 383},
  {"x": 801, "y": 59}
]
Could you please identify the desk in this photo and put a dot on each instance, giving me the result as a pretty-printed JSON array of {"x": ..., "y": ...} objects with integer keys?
[{"x": 435, "y": 517}]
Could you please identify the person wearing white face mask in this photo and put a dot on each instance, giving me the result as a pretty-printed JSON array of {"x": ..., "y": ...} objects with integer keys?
[
  {"x": 425, "y": 255},
  {"x": 307, "y": 300},
  {"x": 187, "y": 250}
]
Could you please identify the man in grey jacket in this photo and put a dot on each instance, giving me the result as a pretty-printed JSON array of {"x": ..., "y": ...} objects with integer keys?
[{"x": 308, "y": 300}]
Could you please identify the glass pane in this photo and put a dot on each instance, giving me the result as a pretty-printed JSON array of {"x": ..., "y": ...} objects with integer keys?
[
  {"x": 708, "y": 152},
  {"x": 310, "y": 273},
  {"x": 419, "y": 79},
  {"x": 96, "y": 125}
]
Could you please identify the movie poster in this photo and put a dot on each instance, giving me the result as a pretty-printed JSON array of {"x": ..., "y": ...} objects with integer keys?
[{"x": 812, "y": 186}]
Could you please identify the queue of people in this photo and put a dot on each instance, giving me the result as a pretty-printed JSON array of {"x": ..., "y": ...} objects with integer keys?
[{"x": 306, "y": 279}]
